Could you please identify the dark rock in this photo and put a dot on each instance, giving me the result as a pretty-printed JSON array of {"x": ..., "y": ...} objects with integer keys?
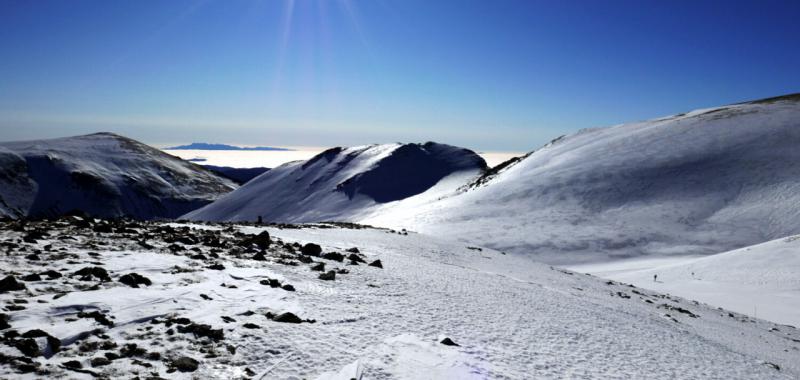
[
  {"x": 53, "y": 343},
  {"x": 335, "y": 256},
  {"x": 33, "y": 257},
  {"x": 198, "y": 256},
  {"x": 261, "y": 240},
  {"x": 311, "y": 249},
  {"x": 202, "y": 331},
  {"x": 273, "y": 283},
  {"x": 132, "y": 350},
  {"x": 134, "y": 280},
  {"x": 287, "y": 318},
  {"x": 353, "y": 250},
  {"x": 98, "y": 317},
  {"x": 111, "y": 356},
  {"x": 216, "y": 267},
  {"x": 330, "y": 276},
  {"x": 356, "y": 258},
  {"x": 342, "y": 271},
  {"x": 288, "y": 288},
  {"x": 91, "y": 273},
  {"x": 206, "y": 297},
  {"x": 260, "y": 257},
  {"x": 104, "y": 228},
  {"x": 72, "y": 364},
  {"x": 9, "y": 283},
  {"x": 449, "y": 342},
  {"x": 376, "y": 264},
  {"x": 677, "y": 309},
  {"x": 4, "y": 318},
  {"x": 185, "y": 364},
  {"x": 51, "y": 274},
  {"x": 305, "y": 259},
  {"x": 27, "y": 346},
  {"x": 319, "y": 267},
  {"x": 227, "y": 319},
  {"x": 100, "y": 361},
  {"x": 251, "y": 326},
  {"x": 31, "y": 277}
]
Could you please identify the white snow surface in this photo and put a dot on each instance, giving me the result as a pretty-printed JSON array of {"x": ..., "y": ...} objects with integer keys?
[
  {"x": 760, "y": 280},
  {"x": 103, "y": 174},
  {"x": 342, "y": 183},
  {"x": 513, "y": 318}
]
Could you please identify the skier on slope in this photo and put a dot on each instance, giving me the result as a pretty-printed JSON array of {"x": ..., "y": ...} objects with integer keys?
[{"x": 655, "y": 278}]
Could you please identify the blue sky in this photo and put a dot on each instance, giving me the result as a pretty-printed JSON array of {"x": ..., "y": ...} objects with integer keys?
[{"x": 489, "y": 75}]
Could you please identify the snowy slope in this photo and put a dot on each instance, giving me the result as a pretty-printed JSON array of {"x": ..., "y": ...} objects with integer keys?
[
  {"x": 704, "y": 182},
  {"x": 15, "y": 185},
  {"x": 105, "y": 175},
  {"x": 760, "y": 280},
  {"x": 512, "y": 318},
  {"x": 342, "y": 182}
]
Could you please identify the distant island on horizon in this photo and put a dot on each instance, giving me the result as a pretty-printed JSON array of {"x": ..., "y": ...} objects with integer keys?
[{"x": 207, "y": 146}]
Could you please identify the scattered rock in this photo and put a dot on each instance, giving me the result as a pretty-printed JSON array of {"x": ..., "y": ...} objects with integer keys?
[
  {"x": 330, "y": 276},
  {"x": 678, "y": 309},
  {"x": 28, "y": 347},
  {"x": 72, "y": 364},
  {"x": 31, "y": 277},
  {"x": 9, "y": 283},
  {"x": 262, "y": 240},
  {"x": 185, "y": 364},
  {"x": 319, "y": 267},
  {"x": 251, "y": 326},
  {"x": 98, "y": 317},
  {"x": 287, "y": 318},
  {"x": 449, "y": 342},
  {"x": 273, "y": 283},
  {"x": 132, "y": 350},
  {"x": 216, "y": 267},
  {"x": 51, "y": 274},
  {"x": 260, "y": 257},
  {"x": 288, "y": 288},
  {"x": 91, "y": 273},
  {"x": 202, "y": 331},
  {"x": 335, "y": 256},
  {"x": 100, "y": 361},
  {"x": 355, "y": 258},
  {"x": 134, "y": 280},
  {"x": 311, "y": 249},
  {"x": 376, "y": 264}
]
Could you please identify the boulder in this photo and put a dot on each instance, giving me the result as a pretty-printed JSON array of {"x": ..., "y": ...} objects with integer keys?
[{"x": 311, "y": 249}]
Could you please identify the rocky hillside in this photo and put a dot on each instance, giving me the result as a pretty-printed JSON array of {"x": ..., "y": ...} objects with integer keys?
[{"x": 101, "y": 174}]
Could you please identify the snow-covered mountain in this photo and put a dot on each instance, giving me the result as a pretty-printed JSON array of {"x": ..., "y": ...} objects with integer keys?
[
  {"x": 702, "y": 182},
  {"x": 102, "y": 174},
  {"x": 341, "y": 183}
]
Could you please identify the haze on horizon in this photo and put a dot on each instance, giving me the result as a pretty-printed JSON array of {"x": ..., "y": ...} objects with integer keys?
[{"x": 496, "y": 76}]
